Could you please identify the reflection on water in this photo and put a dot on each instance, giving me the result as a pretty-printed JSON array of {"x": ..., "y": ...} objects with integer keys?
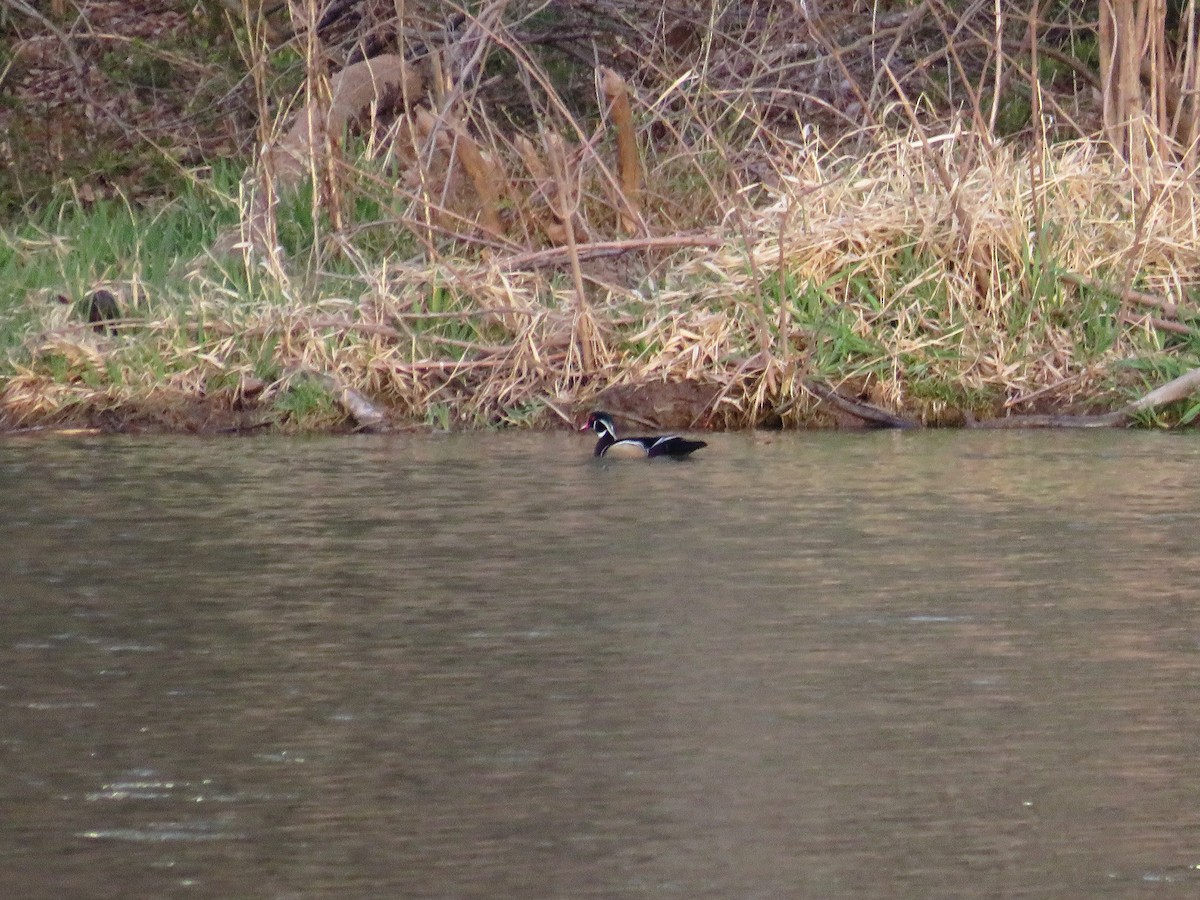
[{"x": 880, "y": 665}]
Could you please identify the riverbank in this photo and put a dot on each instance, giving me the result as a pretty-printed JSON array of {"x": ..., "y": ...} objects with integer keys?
[
  {"x": 674, "y": 257},
  {"x": 1011, "y": 296}
]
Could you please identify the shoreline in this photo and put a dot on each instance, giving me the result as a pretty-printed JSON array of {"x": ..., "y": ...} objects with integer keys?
[{"x": 167, "y": 413}]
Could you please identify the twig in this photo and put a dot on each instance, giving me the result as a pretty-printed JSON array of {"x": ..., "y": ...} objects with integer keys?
[
  {"x": 1129, "y": 318},
  {"x": 1169, "y": 308},
  {"x": 557, "y": 256},
  {"x": 1042, "y": 391},
  {"x": 23, "y": 7},
  {"x": 864, "y": 411}
]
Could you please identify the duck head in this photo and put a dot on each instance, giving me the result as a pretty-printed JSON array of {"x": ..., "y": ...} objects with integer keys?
[{"x": 601, "y": 423}]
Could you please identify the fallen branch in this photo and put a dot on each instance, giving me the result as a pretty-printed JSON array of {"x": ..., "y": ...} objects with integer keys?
[
  {"x": 1174, "y": 390},
  {"x": 1154, "y": 322},
  {"x": 366, "y": 415},
  {"x": 1171, "y": 392},
  {"x": 1141, "y": 298},
  {"x": 872, "y": 415},
  {"x": 557, "y": 256}
]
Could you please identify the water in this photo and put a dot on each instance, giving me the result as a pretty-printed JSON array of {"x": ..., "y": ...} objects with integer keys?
[{"x": 831, "y": 666}]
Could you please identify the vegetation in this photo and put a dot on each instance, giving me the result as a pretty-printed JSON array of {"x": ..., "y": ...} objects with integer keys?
[{"x": 922, "y": 209}]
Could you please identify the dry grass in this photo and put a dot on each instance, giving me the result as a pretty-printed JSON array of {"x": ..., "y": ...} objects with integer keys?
[{"x": 460, "y": 268}]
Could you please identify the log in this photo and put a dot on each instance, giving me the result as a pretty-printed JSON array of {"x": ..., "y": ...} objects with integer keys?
[{"x": 1177, "y": 389}]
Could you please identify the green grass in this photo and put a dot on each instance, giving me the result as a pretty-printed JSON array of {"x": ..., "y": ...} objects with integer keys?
[
  {"x": 308, "y": 406},
  {"x": 69, "y": 245}
]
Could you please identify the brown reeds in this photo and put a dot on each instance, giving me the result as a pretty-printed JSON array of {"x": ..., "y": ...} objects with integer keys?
[
  {"x": 1149, "y": 82},
  {"x": 629, "y": 162}
]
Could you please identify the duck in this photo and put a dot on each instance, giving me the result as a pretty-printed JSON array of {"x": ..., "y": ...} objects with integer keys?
[{"x": 669, "y": 445}]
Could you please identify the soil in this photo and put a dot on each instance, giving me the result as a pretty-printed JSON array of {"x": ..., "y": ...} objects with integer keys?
[{"x": 136, "y": 90}]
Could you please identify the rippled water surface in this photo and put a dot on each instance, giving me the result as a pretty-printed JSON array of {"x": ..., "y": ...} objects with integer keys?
[{"x": 829, "y": 666}]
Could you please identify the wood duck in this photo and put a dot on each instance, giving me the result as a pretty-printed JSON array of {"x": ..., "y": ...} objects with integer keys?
[{"x": 636, "y": 447}]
